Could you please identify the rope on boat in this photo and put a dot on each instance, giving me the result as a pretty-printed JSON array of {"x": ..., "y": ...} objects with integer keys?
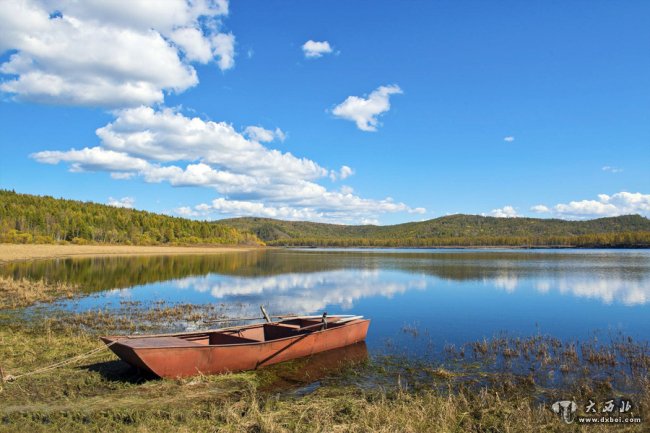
[{"x": 11, "y": 378}]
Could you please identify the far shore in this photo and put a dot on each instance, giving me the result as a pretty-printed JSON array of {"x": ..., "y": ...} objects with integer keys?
[{"x": 19, "y": 252}]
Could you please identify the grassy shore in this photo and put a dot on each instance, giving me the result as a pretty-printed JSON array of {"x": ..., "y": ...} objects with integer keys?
[
  {"x": 472, "y": 391},
  {"x": 13, "y": 252}
]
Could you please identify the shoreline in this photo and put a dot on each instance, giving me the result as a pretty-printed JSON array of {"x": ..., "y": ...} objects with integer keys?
[
  {"x": 23, "y": 252},
  {"x": 466, "y": 247}
]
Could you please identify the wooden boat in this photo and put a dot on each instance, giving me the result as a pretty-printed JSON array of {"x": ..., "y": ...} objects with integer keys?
[{"x": 237, "y": 348}]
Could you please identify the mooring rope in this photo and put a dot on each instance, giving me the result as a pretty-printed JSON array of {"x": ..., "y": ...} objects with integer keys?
[{"x": 11, "y": 378}]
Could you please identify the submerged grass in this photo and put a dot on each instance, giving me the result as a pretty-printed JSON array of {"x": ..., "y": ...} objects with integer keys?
[
  {"x": 16, "y": 293},
  {"x": 482, "y": 390}
]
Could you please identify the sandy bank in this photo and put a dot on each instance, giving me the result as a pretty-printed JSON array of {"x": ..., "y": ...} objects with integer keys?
[{"x": 13, "y": 252}]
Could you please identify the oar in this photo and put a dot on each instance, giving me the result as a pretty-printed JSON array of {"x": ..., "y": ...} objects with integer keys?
[
  {"x": 286, "y": 316},
  {"x": 345, "y": 320},
  {"x": 266, "y": 316}
]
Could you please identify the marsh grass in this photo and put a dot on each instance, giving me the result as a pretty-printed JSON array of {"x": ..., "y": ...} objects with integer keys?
[
  {"x": 487, "y": 390},
  {"x": 22, "y": 292}
]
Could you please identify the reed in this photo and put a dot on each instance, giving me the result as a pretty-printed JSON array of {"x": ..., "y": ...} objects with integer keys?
[{"x": 23, "y": 292}]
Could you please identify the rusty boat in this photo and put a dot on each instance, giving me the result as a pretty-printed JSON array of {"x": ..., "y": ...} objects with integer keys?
[{"x": 239, "y": 348}]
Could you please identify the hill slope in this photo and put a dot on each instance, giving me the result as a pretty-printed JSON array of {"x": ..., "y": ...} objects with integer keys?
[
  {"x": 461, "y": 230},
  {"x": 28, "y": 218}
]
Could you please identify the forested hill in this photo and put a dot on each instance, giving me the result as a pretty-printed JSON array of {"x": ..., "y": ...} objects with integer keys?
[
  {"x": 456, "y": 230},
  {"x": 34, "y": 219}
]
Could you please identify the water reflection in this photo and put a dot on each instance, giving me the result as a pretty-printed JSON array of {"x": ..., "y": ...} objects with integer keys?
[
  {"x": 607, "y": 291},
  {"x": 304, "y": 375},
  {"x": 312, "y": 279},
  {"x": 305, "y": 292}
]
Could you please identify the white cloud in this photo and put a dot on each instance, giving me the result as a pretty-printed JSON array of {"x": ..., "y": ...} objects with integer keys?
[
  {"x": 101, "y": 53},
  {"x": 364, "y": 111},
  {"x": 93, "y": 159},
  {"x": 332, "y": 207},
  {"x": 247, "y": 208},
  {"x": 346, "y": 172},
  {"x": 186, "y": 211},
  {"x": 223, "y": 47},
  {"x": 343, "y": 173},
  {"x": 193, "y": 44},
  {"x": 509, "y": 138},
  {"x": 125, "y": 202},
  {"x": 314, "y": 49},
  {"x": 540, "y": 208},
  {"x": 611, "y": 169},
  {"x": 166, "y": 146},
  {"x": 261, "y": 135},
  {"x": 504, "y": 212},
  {"x": 621, "y": 203},
  {"x": 167, "y": 135}
]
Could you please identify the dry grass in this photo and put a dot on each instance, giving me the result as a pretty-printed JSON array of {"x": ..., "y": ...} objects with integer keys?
[
  {"x": 104, "y": 394},
  {"x": 25, "y": 292},
  {"x": 13, "y": 252}
]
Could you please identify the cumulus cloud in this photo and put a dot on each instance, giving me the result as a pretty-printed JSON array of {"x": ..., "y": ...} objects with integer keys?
[
  {"x": 167, "y": 135},
  {"x": 334, "y": 207},
  {"x": 93, "y": 159},
  {"x": 346, "y": 172},
  {"x": 540, "y": 208},
  {"x": 365, "y": 111},
  {"x": 509, "y": 138},
  {"x": 166, "y": 146},
  {"x": 99, "y": 53},
  {"x": 248, "y": 208},
  {"x": 343, "y": 173},
  {"x": 223, "y": 48},
  {"x": 504, "y": 212},
  {"x": 621, "y": 203},
  {"x": 314, "y": 49},
  {"x": 125, "y": 202},
  {"x": 259, "y": 134}
]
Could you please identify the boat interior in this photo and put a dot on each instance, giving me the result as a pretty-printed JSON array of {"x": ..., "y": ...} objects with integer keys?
[{"x": 258, "y": 333}]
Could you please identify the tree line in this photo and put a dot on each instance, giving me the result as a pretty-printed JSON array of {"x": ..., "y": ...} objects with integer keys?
[
  {"x": 27, "y": 218},
  {"x": 593, "y": 240}
]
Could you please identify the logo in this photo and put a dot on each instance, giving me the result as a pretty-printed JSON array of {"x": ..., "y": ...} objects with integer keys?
[{"x": 566, "y": 409}]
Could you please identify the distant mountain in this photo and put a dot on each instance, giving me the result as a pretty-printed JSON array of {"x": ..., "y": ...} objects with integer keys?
[
  {"x": 455, "y": 230},
  {"x": 28, "y": 218}
]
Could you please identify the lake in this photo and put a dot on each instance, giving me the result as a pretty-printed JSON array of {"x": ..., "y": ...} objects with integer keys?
[{"x": 418, "y": 300}]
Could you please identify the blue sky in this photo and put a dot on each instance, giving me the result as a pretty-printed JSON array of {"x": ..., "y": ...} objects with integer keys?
[{"x": 374, "y": 112}]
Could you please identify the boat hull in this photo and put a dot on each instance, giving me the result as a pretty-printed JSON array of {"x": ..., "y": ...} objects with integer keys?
[{"x": 166, "y": 357}]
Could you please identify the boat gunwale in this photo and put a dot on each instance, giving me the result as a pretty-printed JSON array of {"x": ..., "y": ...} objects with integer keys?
[{"x": 118, "y": 339}]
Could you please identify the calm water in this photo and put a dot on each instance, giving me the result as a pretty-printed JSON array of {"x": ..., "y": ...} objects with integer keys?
[{"x": 450, "y": 296}]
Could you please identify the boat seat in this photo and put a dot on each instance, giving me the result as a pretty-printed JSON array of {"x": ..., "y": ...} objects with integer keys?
[
  {"x": 273, "y": 331},
  {"x": 221, "y": 338}
]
